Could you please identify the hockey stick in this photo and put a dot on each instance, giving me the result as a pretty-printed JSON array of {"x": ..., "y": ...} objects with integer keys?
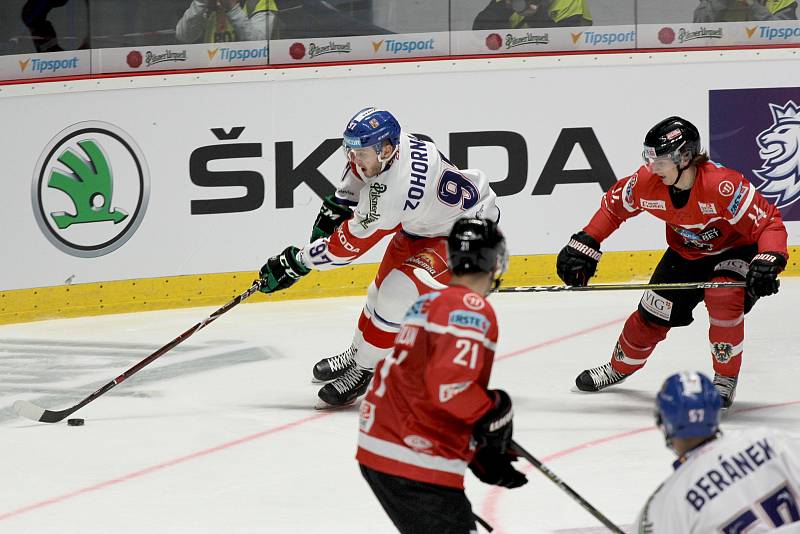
[
  {"x": 482, "y": 522},
  {"x": 563, "y": 485},
  {"x": 37, "y": 413},
  {"x": 615, "y": 287}
]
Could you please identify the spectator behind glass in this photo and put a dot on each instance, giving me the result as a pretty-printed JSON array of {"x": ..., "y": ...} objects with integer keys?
[
  {"x": 217, "y": 21},
  {"x": 34, "y": 16},
  {"x": 738, "y": 10},
  {"x": 512, "y": 14}
]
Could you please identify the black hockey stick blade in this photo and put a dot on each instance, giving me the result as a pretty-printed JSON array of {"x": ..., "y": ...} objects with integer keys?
[
  {"x": 31, "y": 411},
  {"x": 619, "y": 287}
]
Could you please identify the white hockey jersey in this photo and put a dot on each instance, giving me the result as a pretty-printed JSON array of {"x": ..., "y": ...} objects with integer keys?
[
  {"x": 421, "y": 193},
  {"x": 745, "y": 481}
]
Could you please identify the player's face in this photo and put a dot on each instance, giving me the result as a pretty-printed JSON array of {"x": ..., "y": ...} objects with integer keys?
[
  {"x": 365, "y": 159},
  {"x": 664, "y": 167}
]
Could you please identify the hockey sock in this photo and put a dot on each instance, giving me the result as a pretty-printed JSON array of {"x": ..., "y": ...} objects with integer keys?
[
  {"x": 726, "y": 327},
  {"x": 636, "y": 342}
]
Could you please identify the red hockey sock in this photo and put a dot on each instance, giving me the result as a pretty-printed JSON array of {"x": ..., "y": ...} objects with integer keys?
[
  {"x": 726, "y": 327},
  {"x": 636, "y": 342}
]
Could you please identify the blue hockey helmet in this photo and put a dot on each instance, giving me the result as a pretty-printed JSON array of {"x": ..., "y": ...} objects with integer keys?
[
  {"x": 688, "y": 406},
  {"x": 370, "y": 127}
]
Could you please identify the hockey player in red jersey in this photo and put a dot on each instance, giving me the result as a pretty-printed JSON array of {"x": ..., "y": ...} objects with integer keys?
[
  {"x": 393, "y": 185},
  {"x": 718, "y": 228},
  {"x": 428, "y": 413}
]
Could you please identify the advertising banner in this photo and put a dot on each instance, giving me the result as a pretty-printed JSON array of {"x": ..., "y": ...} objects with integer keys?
[
  {"x": 49, "y": 65},
  {"x": 161, "y": 181},
  {"x": 712, "y": 34},
  {"x": 177, "y": 57},
  {"x": 543, "y": 40},
  {"x": 291, "y": 51}
]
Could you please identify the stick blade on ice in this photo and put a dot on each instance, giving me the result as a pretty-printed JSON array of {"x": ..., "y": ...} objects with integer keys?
[{"x": 28, "y": 410}]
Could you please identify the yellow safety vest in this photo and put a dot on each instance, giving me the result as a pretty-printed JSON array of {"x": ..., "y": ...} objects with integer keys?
[
  {"x": 220, "y": 30},
  {"x": 742, "y": 12},
  {"x": 776, "y": 5},
  {"x": 564, "y": 9}
]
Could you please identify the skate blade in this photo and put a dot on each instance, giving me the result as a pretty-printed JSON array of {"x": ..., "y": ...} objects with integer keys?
[{"x": 324, "y": 406}]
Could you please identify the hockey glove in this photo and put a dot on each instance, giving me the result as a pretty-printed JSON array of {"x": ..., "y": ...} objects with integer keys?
[
  {"x": 330, "y": 215},
  {"x": 577, "y": 262},
  {"x": 282, "y": 271},
  {"x": 494, "y": 430},
  {"x": 494, "y": 467},
  {"x": 762, "y": 277}
]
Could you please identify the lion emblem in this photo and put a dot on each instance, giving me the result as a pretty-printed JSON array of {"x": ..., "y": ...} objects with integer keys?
[{"x": 779, "y": 147}]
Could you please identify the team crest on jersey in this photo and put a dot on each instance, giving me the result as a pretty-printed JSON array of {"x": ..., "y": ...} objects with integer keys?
[
  {"x": 707, "y": 208},
  {"x": 448, "y": 391},
  {"x": 473, "y": 301},
  {"x": 366, "y": 416},
  {"x": 779, "y": 148},
  {"x": 722, "y": 352},
  {"x": 418, "y": 443}
]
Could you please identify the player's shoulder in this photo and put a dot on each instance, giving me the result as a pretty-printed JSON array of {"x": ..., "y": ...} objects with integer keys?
[
  {"x": 723, "y": 180},
  {"x": 462, "y": 308}
]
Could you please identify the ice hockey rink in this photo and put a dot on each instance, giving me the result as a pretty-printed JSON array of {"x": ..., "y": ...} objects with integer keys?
[{"x": 219, "y": 435}]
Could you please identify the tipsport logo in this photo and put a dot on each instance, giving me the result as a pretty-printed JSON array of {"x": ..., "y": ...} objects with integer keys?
[
  {"x": 41, "y": 66},
  {"x": 90, "y": 189},
  {"x": 231, "y": 55},
  {"x": 594, "y": 38},
  {"x": 761, "y": 140},
  {"x": 394, "y": 46},
  {"x": 771, "y": 33}
]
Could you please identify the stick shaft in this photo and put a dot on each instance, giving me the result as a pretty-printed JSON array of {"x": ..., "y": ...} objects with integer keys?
[
  {"x": 564, "y": 486},
  {"x": 619, "y": 287},
  {"x": 31, "y": 411}
]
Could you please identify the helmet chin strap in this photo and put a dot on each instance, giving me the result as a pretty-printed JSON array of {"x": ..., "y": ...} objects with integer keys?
[{"x": 389, "y": 158}]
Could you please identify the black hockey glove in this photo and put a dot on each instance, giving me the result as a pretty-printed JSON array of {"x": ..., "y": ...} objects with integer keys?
[
  {"x": 494, "y": 467},
  {"x": 762, "y": 277},
  {"x": 330, "y": 215},
  {"x": 577, "y": 262},
  {"x": 281, "y": 271},
  {"x": 494, "y": 430}
]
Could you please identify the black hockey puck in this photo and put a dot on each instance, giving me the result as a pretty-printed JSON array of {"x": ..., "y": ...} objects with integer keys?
[{"x": 75, "y": 422}]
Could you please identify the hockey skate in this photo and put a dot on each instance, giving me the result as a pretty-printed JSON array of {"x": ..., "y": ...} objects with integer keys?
[
  {"x": 726, "y": 386},
  {"x": 328, "y": 369},
  {"x": 598, "y": 378},
  {"x": 346, "y": 389}
]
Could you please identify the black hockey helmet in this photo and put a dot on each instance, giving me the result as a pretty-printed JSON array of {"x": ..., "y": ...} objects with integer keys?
[
  {"x": 477, "y": 246},
  {"x": 673, "y": 137}
]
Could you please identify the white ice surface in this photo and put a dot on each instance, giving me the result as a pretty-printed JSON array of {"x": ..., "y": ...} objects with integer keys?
[{"x": 219, "y": 435}]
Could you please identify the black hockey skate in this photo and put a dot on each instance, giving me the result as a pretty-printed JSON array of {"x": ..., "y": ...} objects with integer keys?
[
  {"x": 726, "y": 386},
  {"x": 328, "y": 369},
  {"x": 346, "y": 389},
  {"x": 598, "y": 378}
]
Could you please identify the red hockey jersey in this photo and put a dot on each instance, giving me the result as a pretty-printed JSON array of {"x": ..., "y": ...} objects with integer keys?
[
  {"x": 724, "y": 211},
  {"x": 417, "y": 419}
]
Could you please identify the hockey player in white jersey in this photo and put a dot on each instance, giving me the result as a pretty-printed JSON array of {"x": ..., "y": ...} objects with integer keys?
[
  {"x": 734, "y": 483},
  {"x": 393, "y": 184}
]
